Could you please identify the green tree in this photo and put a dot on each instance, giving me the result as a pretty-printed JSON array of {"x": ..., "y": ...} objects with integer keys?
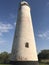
[
  {"x": 4, "y": 57},
  {"x": 44, "y": 54}
]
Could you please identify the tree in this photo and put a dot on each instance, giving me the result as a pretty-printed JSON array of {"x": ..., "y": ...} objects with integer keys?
[
  {"x": 4, "y": 57},
  {"x": 44, "y": 54}
]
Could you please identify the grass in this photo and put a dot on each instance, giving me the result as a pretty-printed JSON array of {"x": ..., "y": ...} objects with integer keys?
[{"x": 43, "y": 63}]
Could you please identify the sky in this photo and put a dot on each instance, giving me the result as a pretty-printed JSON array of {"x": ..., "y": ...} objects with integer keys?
[{"x": 40, "y": 20}]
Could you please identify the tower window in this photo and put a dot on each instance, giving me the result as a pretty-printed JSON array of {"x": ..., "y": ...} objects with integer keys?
[{"x": 27, "y": 45}]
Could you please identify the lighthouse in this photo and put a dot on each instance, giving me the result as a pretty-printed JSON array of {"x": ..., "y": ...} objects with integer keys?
[{"x": 24, "y": 47}]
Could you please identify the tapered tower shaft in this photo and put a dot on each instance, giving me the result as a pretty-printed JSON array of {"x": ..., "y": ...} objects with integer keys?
[{"x": 24, "y": 48}]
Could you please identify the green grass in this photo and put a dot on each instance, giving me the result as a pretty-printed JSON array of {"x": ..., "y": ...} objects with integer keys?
[{"x": 43, "y": 64}]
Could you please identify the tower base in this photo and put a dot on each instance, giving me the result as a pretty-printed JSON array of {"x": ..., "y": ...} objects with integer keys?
[{"x": 24, "y": 62}]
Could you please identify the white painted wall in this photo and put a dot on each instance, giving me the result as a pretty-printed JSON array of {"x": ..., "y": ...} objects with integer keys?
[{"x": 24, "y": 33}]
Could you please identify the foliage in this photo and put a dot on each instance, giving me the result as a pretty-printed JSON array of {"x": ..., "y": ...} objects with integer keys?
[
  {"x": 44, "y": 54},
  {"x": 4, "y": 57}
]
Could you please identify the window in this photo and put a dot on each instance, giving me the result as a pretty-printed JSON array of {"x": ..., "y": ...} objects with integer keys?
[{"x": 27, "y": 45}]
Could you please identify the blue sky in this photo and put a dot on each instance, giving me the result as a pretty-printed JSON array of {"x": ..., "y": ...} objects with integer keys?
[{"x": 40, "y": 18}]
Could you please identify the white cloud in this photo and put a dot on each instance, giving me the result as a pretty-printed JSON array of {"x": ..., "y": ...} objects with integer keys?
[
  {"x": 11, "y": 15},
  {"x": 5, "y": 28},
  {"x": 3, "y": 42},
  {"x": 40, "y": 35},
  {"x": 15, "y": 23},
  {"x": 44, "y": 35},
  {"x": 48, "y": 4},
  {"x": 0, "y": 34}
]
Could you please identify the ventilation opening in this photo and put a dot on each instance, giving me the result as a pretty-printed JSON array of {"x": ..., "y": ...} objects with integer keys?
[{"x": 27, "y": 45}]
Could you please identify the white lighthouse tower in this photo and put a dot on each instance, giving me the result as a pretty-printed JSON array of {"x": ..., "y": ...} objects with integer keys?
[{"x": 24, "y": 48}]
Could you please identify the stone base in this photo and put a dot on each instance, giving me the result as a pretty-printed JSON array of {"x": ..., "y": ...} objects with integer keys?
[{"x": 24, "y": 62}]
